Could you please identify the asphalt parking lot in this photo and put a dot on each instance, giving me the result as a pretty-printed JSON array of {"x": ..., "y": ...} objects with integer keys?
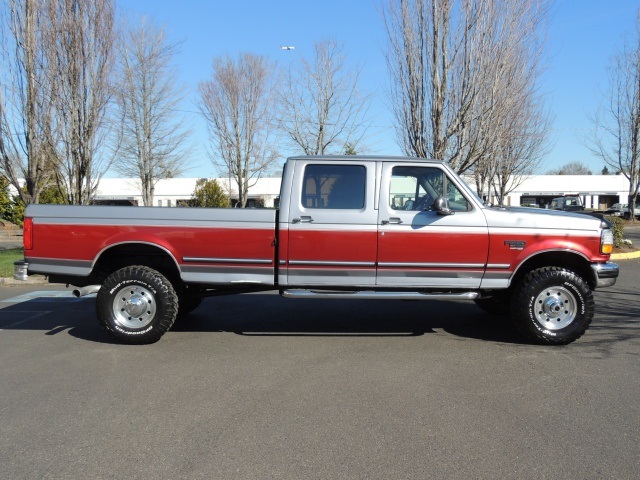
[{"x": 258, "y": 387}]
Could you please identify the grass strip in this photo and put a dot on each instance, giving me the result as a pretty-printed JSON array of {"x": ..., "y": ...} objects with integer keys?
[{"x": 7, "y": 257}]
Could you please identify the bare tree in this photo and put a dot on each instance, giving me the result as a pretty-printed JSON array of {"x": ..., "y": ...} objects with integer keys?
[
  {"x": 26, "y": 109},
  {"x": 519, "y": 121},
  {"x": 447, "y": 64},
  {"x": 517, "y": 156},
  {"x": 322, "y": 108},
  {"x": 571, "y": 168},
  {"x": 617, "y": 122},
  {"x": 154, "y": 140},
  {"x": 431, "y": 104},
  {"x": 82, "y": 48},
  {"x": 238, "y": 103}
]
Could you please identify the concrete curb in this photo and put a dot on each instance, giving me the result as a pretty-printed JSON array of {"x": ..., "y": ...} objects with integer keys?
[
  {"x": 625, "y": 256},
  {"x": 12, "y": 282}
]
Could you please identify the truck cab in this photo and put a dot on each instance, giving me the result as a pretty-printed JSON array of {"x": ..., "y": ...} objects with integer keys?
[{"x": 373, "y": 223}]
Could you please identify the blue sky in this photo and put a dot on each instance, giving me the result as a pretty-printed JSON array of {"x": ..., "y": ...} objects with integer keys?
[{"x": 584, "y": 34}]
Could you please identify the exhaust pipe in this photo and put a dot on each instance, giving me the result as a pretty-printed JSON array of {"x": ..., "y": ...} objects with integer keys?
[{"x": 88, "y": 290}]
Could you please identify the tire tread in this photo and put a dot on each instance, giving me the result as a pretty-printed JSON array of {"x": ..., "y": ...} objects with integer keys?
[
  {"x": 166, "y": 295},
  {"x": 528, "y": 286}
]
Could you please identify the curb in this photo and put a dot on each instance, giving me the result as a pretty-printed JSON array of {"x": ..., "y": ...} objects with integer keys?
[
  {"x": 625, "y": 256},
  {"x": 12, "y": 282}
]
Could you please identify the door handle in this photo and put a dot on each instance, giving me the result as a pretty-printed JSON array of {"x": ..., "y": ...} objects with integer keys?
[
  {"x": 303, "y": 219},
  {"x": 394, "y": 220}
]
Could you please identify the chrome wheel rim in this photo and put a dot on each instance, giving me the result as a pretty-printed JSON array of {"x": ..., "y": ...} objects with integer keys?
[
  {"x": 134, "y": 307},
  {"x": 555, "y": 308}
]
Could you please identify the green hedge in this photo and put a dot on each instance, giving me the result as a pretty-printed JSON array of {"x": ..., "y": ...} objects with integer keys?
[{"x": 617, "y": 226}]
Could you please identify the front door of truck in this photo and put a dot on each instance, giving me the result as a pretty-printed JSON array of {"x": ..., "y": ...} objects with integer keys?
[
  {"x": 332, "y": 229},
  {"x": 417, "y": 247}
]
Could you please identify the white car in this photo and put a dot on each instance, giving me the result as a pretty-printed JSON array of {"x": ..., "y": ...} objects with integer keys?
[
  {"x": 622, "y": 210},
  {"x": 617, "y": 209}
]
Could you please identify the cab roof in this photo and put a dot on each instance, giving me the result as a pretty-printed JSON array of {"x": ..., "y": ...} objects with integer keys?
[{"x": 359, "y": 158}]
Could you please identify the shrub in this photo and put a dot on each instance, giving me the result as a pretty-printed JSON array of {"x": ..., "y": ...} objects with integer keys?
[
  {"x": 617, "y": 227},
  {"x": 209, "y": 194}
]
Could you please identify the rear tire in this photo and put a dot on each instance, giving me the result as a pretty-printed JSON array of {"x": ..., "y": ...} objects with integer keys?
[
  {"x": 137, "y": 305},
  {"x": 553, "y": 306}
]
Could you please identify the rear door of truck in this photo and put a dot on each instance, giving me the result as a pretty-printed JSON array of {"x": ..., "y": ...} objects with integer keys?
[{"x": 332, "y": 224}]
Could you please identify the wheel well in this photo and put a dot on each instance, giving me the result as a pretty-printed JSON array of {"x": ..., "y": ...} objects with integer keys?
[
  {"x": 569, "y": 260},
  {"x": 120, "y": 256}
]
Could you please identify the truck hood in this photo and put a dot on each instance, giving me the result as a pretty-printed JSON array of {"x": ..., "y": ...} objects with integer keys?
[{"x": 523, "y": 217}]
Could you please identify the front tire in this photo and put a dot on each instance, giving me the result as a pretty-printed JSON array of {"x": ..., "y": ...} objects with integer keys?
[
  {"x": 137, "y": 305},
  {"x": 553, "y": 306}
]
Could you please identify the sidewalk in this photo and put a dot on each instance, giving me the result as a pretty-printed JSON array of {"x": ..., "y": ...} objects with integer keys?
[
  {"x": 10, "y": 243},
  {"x": 33, "y": 280},
  {"x": 10, "y": 239}
]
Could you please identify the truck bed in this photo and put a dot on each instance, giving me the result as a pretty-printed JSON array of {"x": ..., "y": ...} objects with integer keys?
[{"x": 209, "y": 245}]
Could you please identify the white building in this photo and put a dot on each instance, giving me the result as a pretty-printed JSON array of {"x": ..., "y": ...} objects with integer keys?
[
  {"x": 177, "y": 191},
  {"x": 597, "y": 191}
]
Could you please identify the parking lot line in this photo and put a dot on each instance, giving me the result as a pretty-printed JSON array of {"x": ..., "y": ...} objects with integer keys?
[{"x": 44, "y": 295}]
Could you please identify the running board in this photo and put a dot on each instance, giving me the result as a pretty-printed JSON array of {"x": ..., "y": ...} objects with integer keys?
[{"x": 370, "y": 295}]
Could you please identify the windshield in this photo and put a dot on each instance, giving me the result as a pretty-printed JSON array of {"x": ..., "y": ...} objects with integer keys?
[{"x": 466, "y": 187}]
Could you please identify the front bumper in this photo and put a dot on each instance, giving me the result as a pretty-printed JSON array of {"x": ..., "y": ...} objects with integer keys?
[{"x": 605, "y": 274}]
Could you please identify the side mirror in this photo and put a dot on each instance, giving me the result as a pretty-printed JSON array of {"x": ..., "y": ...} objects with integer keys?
[{"x": 441, "y": 206}]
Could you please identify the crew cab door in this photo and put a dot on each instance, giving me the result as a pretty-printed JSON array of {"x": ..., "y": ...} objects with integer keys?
[
  {"x": 332, "y": 224},
  {"x": 418, "y": 247}
]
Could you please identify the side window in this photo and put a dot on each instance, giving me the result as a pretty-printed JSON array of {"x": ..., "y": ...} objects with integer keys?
[
  {"x": 416, "y": 188},
  {"x": 339, "y": 187}
]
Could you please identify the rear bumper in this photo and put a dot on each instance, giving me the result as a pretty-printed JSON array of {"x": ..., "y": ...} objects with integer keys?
[
  {"x": 20, "y": 270},
  {"x": 605, "y": 274}
]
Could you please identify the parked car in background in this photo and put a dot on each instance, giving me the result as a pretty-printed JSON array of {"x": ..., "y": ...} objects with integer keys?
[
  {"x": 622, "y": 210},
  {"x": 617, "y": 209},
  {"x": 569, "y": 203},
  {"x": 626, "y": 213}
]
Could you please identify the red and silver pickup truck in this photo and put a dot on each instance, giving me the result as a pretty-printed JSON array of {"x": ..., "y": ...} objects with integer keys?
[{"x": 346, "y": 227}]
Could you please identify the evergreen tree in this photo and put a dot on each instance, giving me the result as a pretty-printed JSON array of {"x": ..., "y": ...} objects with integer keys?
[
  {"x": 11, "y": 208},
  {"x": 209, "y": 194},
  {"x": 350, "y": 149}
]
